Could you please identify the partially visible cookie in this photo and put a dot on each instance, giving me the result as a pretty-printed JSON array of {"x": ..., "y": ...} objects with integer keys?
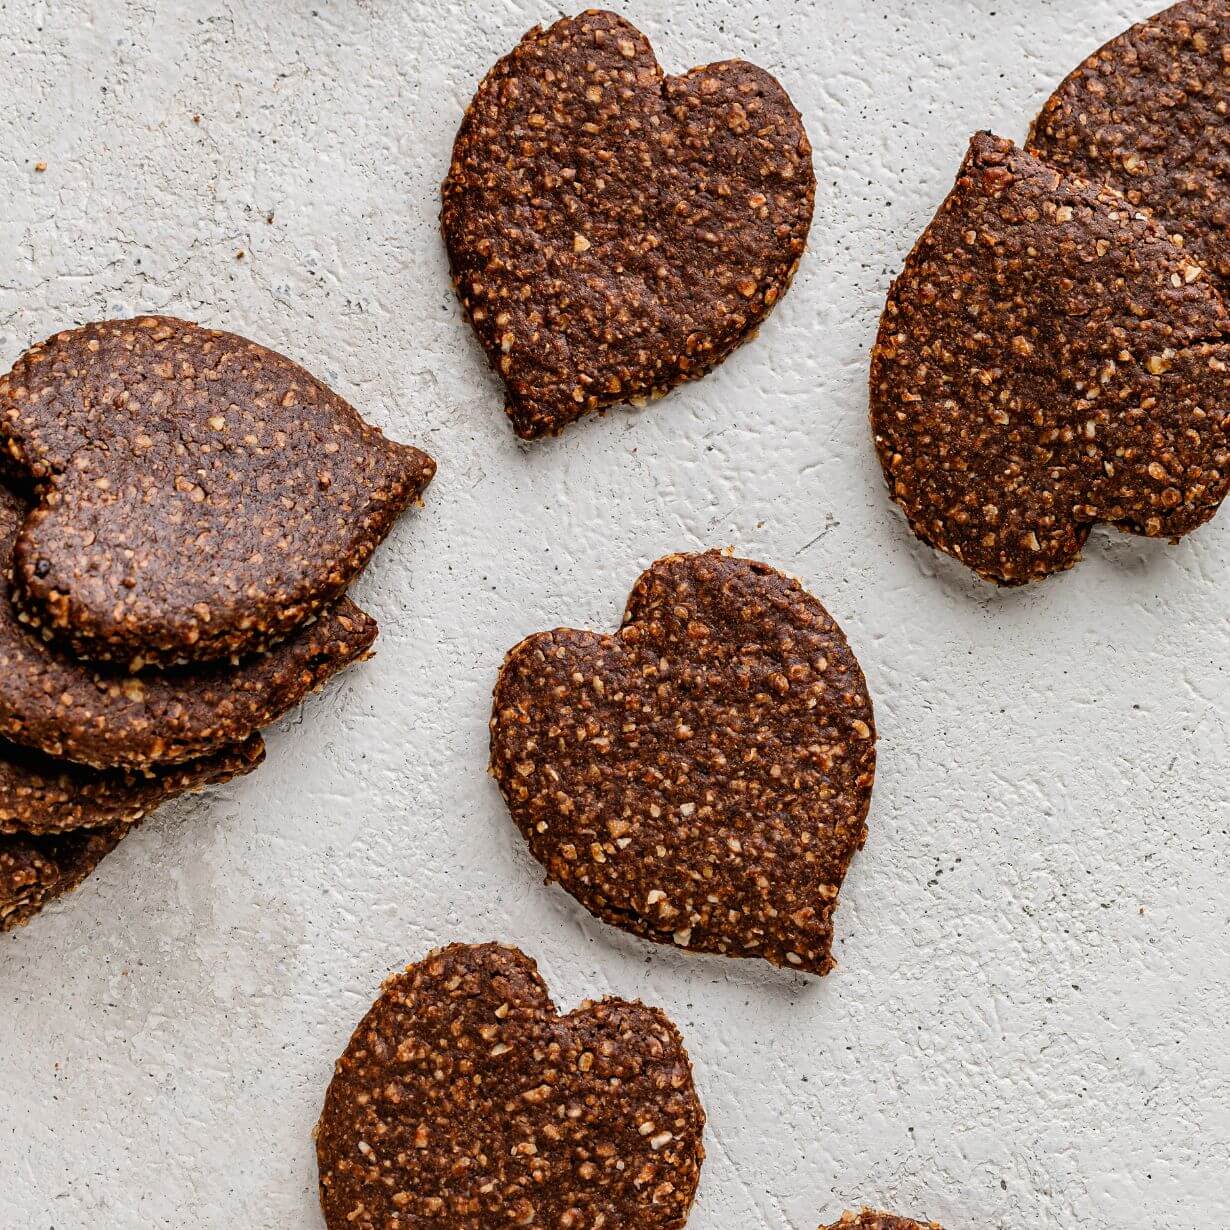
[
  {"x": 104, "y": 716},
  {"x": 465, "y": 1101},
  {"x": 612, "y": 231},
  {"x": 869, "y": 1219},
  {"x": 41, "y": 795},
  {"x": 1048, "y": 359},
  {"x": 1147, "y": 115},
  {"x": 34, "y": 871},
  {"x": 199, "y": 495},
  {"x": 703, "y": 776}
]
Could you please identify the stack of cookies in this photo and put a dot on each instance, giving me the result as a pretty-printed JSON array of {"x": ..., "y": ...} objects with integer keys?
[{"x": 181, "y": 515}]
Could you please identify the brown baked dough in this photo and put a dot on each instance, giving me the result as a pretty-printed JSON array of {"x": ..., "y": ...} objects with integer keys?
[
  {"x": 869, "y": 1219},
  {"x": 105, "y": 716},
  {"x": 34, "y": 871},
  {"x": 612, "y": 231},
  {"x": 41, "y": 795},
  {"x": 1048, "y": 359},
  {"x": 58, "y": 800},
  {"x": 703, "y": 776},
  {"x": 464, "y": 1101},
  {"x": 1147, "y": 114},
  {"x": 200, "y": 496}
]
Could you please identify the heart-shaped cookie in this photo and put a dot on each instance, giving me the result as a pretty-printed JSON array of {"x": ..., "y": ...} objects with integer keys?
[
  {"x": 199, "y": 495},
  {"x": 41, "y": 795},
  {"x": 464, "y": 1101},
  {"x": 105, "y": 715},
  {"x": 870, "y": 1219},
  {"x": 1048, "y": 359},
  {"x": 34, "y": 871},
  {"x": 703, "y": 776},
  {"x": 612, "y": 231},
  {"x": 1147, "y": 115}
]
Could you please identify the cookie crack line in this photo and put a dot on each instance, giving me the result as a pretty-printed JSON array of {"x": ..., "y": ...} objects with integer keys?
[
  {"x": 701, "y": 777},
  {"x": 613, "y": 231},
  {"x": 199, "y": 496},
  {"x": 1048, "y": 359}
]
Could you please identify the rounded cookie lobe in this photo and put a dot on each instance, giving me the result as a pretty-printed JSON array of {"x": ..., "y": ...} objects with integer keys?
[
  {"x": 465, "y": 1102},
  {"x": 703, "y": 776},
  {"x": 1146, "y": 114},
  {"x": 106, "y": 716},
  {"x": 870, "y": 1219},
  {"x": 612, "y": 231},
  {"x": 1048, "y": 359},
  {"x": 41, "y": 795},
  {"x": 200, "y": 496},
  {"x": 34, "y": 871}
]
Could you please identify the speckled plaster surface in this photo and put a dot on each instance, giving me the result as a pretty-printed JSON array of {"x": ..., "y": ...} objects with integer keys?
[{"x": 1029, "y": 1025}]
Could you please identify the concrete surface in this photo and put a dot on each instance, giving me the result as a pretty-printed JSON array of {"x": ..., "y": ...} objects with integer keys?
[{"x": 1031, "y": 1023}]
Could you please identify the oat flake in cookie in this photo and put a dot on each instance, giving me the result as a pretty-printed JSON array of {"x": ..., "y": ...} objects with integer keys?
[
  {"x": 1148, "y": 115},
  {"x": 869, "y": 1219},
  {"x": 104, "y": 715},
  {"x": 703, "y": 776},
  {"x": 464, "y": 1101},
  {"x": 612, "y": 231},
  {"x": 200, "y": 496},
  {"x": 1048, "y": 359}
]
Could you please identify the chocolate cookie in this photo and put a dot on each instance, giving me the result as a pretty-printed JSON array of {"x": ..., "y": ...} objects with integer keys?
[
  {"x": 869, "y": 1219},
  {"x": 200, "y": 496},
  {"x": 465, "y": 1102},
  {"x": 614, "y": 232},
  {"x": 703, "y": 776},
  {"x": 104, "y": 716},
  {"x": 1147, "y": 114},
  {"x": 34, "y": 871},
  {"x": 1048, "y": 359},
  {"x": 40, "y": 795}
]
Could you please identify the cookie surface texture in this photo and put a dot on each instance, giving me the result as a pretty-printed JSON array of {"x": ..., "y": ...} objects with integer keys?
[
  {"x": 41, "y": 795},
  {"x": 870, "y": 1219},
  {"x": 464, "y": 1101},
  {"x": 34, "y": 871},
  {"x": 613, "y": 231},
  {"x": 1047, "y": 360},
  {"x": 703, "y": 776},
  {"x": 1147, "y": 115},
  {"x": 199, "y": 495},
  {"x": 100, "y": 714}
]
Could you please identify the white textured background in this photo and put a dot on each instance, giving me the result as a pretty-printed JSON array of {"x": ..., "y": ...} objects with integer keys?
[{"x": 1029, "y": 1027}]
